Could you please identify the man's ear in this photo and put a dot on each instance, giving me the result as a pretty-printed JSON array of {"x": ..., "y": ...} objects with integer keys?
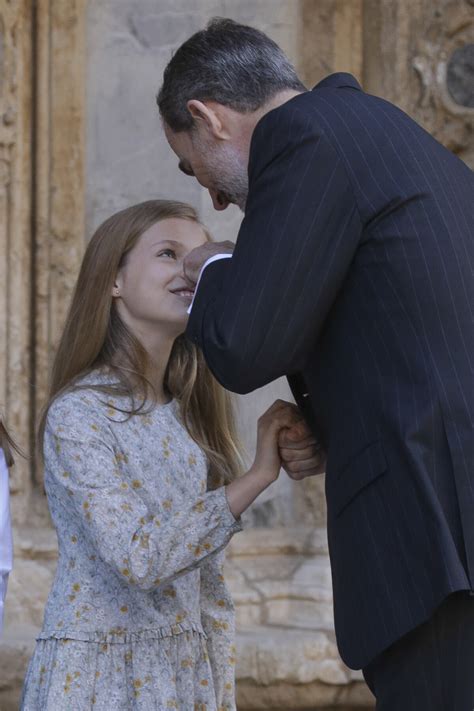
[{"x": 209, "y": 116}]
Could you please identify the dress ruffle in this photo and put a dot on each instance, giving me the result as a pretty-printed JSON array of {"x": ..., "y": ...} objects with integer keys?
[
  {"x": 123, "y": 636},
  {"x": 150, "y": 670}
]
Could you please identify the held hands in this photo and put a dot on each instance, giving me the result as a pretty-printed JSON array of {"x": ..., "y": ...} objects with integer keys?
[
  {"x": 284, "y": 439},
  {"x": 300, "y": 452},
  {"x": 195, "y": 260}
]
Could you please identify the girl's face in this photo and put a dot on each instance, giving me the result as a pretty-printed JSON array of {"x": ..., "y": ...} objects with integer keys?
[{"x": 152, "y": 288}]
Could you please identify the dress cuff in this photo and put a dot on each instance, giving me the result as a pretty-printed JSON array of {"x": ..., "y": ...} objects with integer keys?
[{"x": 235, "y": 524}]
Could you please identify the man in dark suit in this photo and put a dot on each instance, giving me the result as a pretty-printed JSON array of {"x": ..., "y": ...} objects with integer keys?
[{"x": 352, "y": 276}]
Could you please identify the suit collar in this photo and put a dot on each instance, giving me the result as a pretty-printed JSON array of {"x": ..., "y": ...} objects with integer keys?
[{"x": 339, "y": 80}]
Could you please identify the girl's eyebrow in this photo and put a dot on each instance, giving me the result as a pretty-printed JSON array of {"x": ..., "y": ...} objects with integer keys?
[{"x": 167, "y": 241}]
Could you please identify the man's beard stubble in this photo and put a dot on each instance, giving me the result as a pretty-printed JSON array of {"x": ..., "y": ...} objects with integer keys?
[
  {"x": 233, "y": 181},
  {"x": 227, "y": 173}
]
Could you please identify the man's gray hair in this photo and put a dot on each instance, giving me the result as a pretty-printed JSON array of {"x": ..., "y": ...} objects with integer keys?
[{"x": 234, "y": 65}]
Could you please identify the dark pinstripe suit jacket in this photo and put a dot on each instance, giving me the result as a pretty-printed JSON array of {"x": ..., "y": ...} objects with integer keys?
[{"x": 352, "y": 275}]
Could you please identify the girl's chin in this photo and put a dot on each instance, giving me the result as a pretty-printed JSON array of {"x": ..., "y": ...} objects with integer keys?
[
  {"x": 174, "y": 325},
  {"x": 180, "y": 323}
]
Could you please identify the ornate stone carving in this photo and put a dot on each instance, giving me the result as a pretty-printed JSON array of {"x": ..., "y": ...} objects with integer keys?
[
  {"x": 15, "y": 240},
  {"x": 460, "y": 75},
  {"x": 441, "y": 107}
]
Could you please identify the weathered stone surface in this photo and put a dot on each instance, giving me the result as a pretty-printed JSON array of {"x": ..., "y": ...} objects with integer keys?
[
  {"x": 58, "y": 185},
  {"x": 297, "y": 611},
  {"x": 288, "y": 669},
  {"x": 247, "y": 600},
  {"x": 15, "y": 652},
  {"x": 330, "y": 38},
  {"x": 460, "y": 75},
  {"x": 36, "y": 543},
  {"x": 291, "y": 540},
  {"x": 99, "y": 69},
  {"x": 15, "y": 232},
  {"x": 28, "y": 589}
]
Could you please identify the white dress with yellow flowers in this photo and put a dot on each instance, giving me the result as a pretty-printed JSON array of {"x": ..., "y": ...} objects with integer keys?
[{"x": 139, "y": 616}]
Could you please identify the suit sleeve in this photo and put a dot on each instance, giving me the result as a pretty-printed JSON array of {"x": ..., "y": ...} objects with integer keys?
[{"x": 256, "y": 316}]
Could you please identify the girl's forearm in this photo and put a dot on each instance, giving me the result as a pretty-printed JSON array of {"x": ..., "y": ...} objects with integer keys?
[{"x": 243, "y": 491}]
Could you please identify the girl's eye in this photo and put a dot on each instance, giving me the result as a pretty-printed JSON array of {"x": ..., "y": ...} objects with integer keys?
[{"x": 167, "y": 253}]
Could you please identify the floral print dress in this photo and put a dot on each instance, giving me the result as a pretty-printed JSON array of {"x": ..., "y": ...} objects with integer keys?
[{"x": 139, "y": 616}]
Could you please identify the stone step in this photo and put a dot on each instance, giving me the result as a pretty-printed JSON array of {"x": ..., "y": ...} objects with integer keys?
[
  {"x": 295, "y": 670},
  {"x": 281, "y": 540},
  {"x": 16, "y": 647},
  {"x": 38, "y": 543},
  {"x": 284, "y": 580}
]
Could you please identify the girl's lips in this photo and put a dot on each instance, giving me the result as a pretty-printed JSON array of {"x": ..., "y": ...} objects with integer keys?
[{"x": 187, "y": 294}]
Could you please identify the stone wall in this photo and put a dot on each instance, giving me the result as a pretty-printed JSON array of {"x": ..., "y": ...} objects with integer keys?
[
  {"x": 16, "y": 98},
  {"x": 79, "y": 139}
]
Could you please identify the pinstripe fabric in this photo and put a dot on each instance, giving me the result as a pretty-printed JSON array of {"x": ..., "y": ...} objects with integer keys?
[
  {"x": 352, "y": 275},
  {"x": 432, "y": 667}
]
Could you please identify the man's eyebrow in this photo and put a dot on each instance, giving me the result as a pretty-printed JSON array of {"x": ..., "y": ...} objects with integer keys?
[{"x": 185, "y": 168}]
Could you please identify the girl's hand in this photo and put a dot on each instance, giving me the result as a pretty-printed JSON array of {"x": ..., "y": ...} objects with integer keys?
[
  {"x": 243, "y": 491},
  {"x": 280, "y": 416}
]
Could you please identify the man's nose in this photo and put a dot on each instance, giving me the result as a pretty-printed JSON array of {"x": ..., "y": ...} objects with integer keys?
[{"x": 218, "y": 200}]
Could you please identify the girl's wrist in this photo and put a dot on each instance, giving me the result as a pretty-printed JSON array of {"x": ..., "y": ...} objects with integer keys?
[
  {"x": 263, "y": 474},
  {"x": 243, "y": 491}
]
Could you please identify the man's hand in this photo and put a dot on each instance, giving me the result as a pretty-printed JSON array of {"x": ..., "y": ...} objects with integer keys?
[
  {"x": 195, "y": 260},
  {"x": 301, "y": 454}
]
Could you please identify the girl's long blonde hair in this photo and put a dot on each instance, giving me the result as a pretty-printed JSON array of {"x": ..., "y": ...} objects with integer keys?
[{"x": 94, "y": 335}]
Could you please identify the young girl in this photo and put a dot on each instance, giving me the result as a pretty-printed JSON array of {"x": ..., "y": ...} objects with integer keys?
[
  {"x": 6, "y": 546},
  {"x": 140, "y": 464}
]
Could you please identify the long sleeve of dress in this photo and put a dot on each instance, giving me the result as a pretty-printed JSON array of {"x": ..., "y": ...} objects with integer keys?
[
  {"x": 145, "y": 547},
  {"x": 218, "y": 621}
]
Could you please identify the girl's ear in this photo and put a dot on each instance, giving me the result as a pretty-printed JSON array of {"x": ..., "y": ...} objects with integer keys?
[{"x": 117, "y": 287}]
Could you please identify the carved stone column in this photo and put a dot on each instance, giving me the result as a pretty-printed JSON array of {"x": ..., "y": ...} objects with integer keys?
[
  {"x": 15, "y": 229},
  {"x": 331, "y": 38},
  {"x": 42, "y": 109},
  {"x": 59, "y": 224}
]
